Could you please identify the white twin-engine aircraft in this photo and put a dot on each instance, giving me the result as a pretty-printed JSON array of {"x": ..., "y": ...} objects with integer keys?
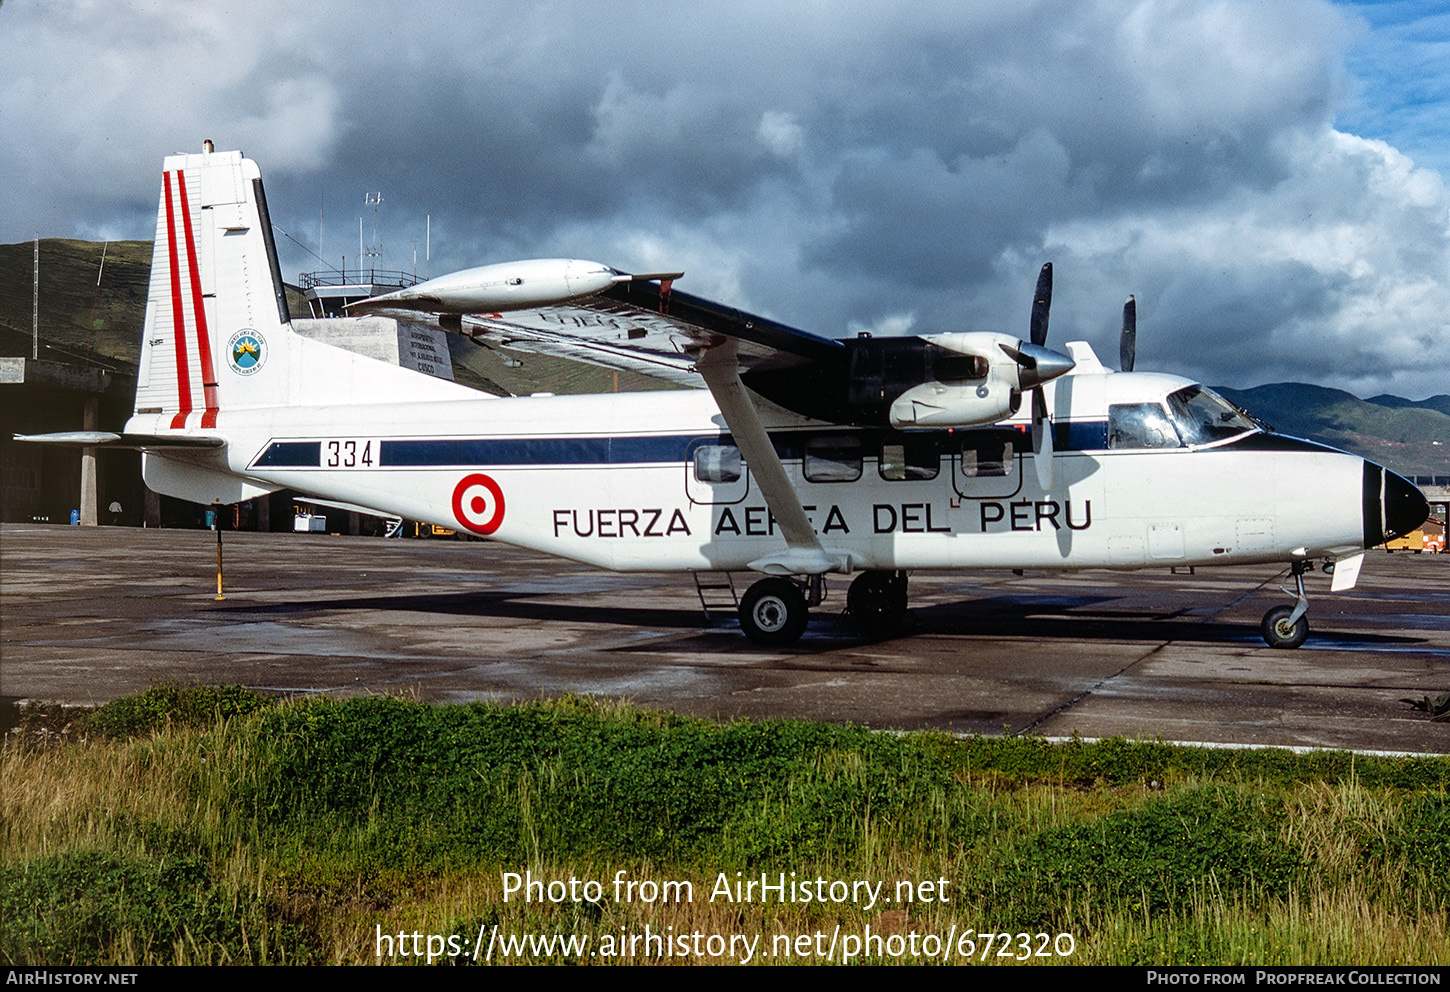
[{"x": 803, "y": 455}]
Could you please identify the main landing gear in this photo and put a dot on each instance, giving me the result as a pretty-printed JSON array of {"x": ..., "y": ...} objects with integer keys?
[
  {"x": 774, "y": 611},
  {"x": 877, "y": 603},
  {"x": 1288, "y": 626}
]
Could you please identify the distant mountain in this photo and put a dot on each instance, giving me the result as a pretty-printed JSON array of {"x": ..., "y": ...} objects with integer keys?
[
  {"x": 1412, "y": 438},
  {"x": 1441, "y": 402}
]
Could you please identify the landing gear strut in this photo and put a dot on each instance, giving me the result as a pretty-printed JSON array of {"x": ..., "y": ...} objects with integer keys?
[
  {"x": 774, "y": 611},
  {"x": 877, "y": 603},
  {"x": 1288, "y": 626}
]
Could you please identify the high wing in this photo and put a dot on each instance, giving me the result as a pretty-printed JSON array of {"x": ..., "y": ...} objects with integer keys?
[
  {"x": 591, "y": 313},
  {"x": 641, "y": 324},
  {"x": 655, "y": 329}
]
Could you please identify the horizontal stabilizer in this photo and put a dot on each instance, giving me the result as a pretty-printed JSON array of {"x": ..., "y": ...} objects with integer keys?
[{"x": 97, "y": 439}]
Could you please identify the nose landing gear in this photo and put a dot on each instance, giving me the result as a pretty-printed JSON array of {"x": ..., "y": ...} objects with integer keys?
[{"x": 1288, "y": 626}]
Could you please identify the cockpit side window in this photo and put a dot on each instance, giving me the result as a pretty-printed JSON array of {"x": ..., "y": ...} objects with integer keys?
[
  {"x": 1203, "y": 416},
  {"x": 1140, "y": 425}
]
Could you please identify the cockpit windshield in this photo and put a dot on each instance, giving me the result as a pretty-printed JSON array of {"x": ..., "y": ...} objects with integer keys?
[{"x": 1202, "y": 416}]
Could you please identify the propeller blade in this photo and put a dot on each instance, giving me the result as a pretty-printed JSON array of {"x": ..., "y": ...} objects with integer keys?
[
  {"x": 1019, "y": 356},
  {"x": 1041, "y": 440},
  {"x": 1128, "y": 343},
  {"x": 1041, "y": 304}
]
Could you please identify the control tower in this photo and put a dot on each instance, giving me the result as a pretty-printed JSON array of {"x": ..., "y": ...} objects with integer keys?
[{"x": 328, "y": 291}]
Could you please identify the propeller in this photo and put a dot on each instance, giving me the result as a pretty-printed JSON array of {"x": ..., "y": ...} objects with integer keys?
[
  {"x": 1040, "y": 364},
  {"x": 1128, "y": 343}
]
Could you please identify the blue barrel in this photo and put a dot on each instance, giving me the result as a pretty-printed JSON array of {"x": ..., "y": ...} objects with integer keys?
[{"x": 75, "y": 518}]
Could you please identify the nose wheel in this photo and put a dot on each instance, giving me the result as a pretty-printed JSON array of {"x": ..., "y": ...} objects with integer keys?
[{"x": 1287, "y": 627}]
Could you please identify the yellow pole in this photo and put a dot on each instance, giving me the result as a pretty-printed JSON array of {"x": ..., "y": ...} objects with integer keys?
[{"x": 218, "y": 523}]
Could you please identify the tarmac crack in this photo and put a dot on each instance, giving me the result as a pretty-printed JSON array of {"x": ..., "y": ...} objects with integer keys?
[{"x": 1073, "y": 701}]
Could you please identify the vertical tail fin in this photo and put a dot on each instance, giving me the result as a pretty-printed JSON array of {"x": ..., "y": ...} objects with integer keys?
[
  {"x": 216, "y": 301},
  {"x": 218, "y": 334}
]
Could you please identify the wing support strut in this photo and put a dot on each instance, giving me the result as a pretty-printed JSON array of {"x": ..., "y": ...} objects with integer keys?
[{"x": 804, "y": 555}]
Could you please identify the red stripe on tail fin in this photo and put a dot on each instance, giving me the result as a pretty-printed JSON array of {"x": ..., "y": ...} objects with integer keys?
[
  {"x": 198, "y": 307},
  {"x": 178, "y": 319}
]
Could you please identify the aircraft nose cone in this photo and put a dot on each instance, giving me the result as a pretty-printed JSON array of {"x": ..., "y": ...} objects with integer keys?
[
  {"x": 1404, "y": 506},
  {"x": 1393, "y": 506}
]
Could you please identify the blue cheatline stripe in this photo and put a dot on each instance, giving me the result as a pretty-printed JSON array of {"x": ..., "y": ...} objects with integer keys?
[
  {"x": 534, "y": 451},
  {"x": 677, "y": 448},
  {"x": 291, "y": 454},
  {"x": 1087, "y": 435}
]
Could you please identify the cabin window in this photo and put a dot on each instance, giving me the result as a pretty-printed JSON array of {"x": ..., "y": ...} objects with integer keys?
[
  {"x": 717, "y": 463},
  {"x": 908, "y": 460},
  {"x": 1140, "y": 425},
  {"x": 833, "y": 458},
  {"x": 986, "y": 457}
]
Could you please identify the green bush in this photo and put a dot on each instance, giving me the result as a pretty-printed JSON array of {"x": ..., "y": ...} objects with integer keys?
[
  {"x": 488, "y": 783},
  {"x": 1202, "y": 841},
  {"x": 173, "y": 706},
  {"x": 82, "y": 906},
  {"x": 1422, "y": 835}
]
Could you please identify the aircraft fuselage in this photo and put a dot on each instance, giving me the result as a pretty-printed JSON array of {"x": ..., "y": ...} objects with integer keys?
[{"x": 651, "y": 483}]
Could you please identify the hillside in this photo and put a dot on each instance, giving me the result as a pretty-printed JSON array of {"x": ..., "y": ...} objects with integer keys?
[
  {"x": 1410, "y": 437},
  {"x": 78, "y": 318}
]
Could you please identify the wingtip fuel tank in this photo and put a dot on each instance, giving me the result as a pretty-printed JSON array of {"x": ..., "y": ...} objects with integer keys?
[{"x": 500, "y": 287}]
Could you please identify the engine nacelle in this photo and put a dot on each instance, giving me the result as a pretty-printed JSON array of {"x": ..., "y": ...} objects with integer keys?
[
  {"x": 976, "y": 383},
  {"x": 965, "y": 379}
]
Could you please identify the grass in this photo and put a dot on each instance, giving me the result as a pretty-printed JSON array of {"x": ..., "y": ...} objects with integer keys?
[{"x": 194, "y": 826}]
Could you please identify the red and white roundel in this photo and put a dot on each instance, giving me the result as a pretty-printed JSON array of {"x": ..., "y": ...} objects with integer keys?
[{"x": 478, "y": 503}]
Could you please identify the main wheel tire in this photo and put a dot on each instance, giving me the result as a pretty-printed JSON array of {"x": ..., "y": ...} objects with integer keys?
[
  {"x": 1280, "y": 633},
  {"x": 773, "y": 612},
  {"x": 877, "y": 602}
]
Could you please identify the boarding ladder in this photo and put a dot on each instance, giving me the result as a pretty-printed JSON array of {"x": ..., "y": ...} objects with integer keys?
[{"x": 717, "y": 593}]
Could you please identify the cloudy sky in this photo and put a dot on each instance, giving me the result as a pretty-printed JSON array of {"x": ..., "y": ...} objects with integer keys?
[{"x": 1266, "y": 175}]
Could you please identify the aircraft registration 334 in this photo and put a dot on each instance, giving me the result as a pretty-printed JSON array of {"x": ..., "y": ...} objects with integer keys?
[{"x": 795, "y": 456}]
